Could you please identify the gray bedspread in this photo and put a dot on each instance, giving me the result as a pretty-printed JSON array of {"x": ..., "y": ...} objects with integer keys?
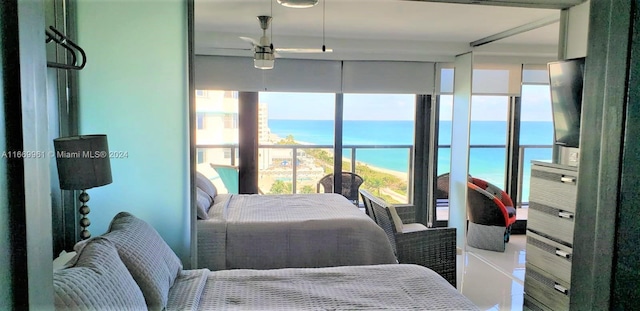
[
  {"x": 289, "y": 231},
  {"x": 379, "y": 287}
]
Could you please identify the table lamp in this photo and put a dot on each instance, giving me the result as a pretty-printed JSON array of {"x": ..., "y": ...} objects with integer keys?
[{"x": 83, "y": 163}]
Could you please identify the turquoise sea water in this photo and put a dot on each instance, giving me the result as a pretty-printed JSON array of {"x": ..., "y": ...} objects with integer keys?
[{"x": 486, "y": 163}]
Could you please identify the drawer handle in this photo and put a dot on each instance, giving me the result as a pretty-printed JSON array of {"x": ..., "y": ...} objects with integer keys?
[
  {"x": 566, "y": 215},
  {"x": 568, "y": 179},
  {"x": 562, "y": 253},
  {"x": 560, "y": 288}
]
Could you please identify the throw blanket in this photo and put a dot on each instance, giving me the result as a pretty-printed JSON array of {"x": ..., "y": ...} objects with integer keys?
[
  {"x": 380, "y": 287},
  {"x": 289, "y": 231}
]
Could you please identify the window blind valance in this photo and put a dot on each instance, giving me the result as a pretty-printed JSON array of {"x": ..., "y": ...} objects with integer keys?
[{"x": 303, "y": 75}]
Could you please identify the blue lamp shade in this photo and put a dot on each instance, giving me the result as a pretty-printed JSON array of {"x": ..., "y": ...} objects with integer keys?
[{"x": 83, "y": 161}]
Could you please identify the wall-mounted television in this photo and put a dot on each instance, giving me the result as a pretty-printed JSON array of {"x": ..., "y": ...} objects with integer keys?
[{"x": 565, "y": 82}]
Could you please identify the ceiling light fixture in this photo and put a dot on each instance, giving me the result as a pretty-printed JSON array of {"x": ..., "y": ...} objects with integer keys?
[
  {"x": 298, "y": 4},
  {"x": 262, "y": 59}
]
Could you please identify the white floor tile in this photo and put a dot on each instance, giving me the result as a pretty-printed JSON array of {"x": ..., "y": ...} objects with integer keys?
[{"x": 494, "y": 280}]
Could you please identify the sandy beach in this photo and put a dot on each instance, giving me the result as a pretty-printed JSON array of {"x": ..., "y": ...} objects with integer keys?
[
  {"x": 398, "y": 174},
  {"x": 402, "y": 175}
]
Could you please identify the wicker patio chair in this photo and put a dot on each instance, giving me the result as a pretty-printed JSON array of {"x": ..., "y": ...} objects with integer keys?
[
  {"x": 442, "y": 187},
  {"x": 368, "y": 207},
  {"x": 350, "y": 184},
  {"x": 434, "y": 248}
]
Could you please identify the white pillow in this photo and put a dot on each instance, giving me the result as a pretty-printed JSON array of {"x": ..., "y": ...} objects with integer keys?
[
  {"x": 206, "y": 185},
  {"x": 204, "y": 202},
  {"x": 62, "y": 259}
]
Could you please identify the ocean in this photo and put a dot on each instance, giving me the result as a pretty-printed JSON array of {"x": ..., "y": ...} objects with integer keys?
[{"x": 485, "y": 163}]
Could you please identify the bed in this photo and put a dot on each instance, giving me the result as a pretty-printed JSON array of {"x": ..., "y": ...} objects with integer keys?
[
  {"x": 378, "y": 287},
  {"x": 131, "y": 268},
  {"x": 288, "y": 231}
]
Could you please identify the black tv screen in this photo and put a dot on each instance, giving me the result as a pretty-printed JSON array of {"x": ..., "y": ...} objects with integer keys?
[{"x": 565, "y": 81}]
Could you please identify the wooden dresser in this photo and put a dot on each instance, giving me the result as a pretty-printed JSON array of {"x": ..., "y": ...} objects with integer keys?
[{"x": 552, "y": 206}]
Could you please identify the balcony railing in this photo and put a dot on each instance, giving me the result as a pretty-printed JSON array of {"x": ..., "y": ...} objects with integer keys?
[{"x": 352, "y": 152}]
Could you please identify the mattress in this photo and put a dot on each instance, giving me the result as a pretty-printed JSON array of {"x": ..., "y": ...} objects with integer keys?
[{"x": 289, "y": 231}]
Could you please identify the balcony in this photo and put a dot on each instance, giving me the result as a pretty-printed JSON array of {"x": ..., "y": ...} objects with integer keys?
[{"x": 297, "y": 168}]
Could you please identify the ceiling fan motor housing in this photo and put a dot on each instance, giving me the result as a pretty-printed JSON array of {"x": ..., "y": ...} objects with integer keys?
[{"x": 263, "y": 58}]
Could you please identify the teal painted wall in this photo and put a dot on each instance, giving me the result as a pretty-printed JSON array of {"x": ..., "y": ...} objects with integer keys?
[{"x": 134, "y": 89}]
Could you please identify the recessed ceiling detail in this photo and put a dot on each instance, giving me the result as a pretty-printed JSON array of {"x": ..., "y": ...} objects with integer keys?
[{"x": 387, "y": 30}]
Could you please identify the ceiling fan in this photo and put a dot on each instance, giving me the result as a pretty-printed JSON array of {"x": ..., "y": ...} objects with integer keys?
[{"x": 265, "y": 53}]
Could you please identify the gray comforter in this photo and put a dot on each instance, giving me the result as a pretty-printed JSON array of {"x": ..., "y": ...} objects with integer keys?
[
  {"x": 380, "y": 287},
  {"x": 289, "y": 231}
]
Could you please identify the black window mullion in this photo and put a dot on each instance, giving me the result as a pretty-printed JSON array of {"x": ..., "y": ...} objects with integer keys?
[{"x": 337, "y": 142}]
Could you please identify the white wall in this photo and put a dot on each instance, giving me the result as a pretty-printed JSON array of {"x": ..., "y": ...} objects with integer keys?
[
  {"x": 134, "y": 89},
  {"x": 577, "y": 31}
]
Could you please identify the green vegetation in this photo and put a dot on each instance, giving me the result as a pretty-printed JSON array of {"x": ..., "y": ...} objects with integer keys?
[
  {"x": 287, "y": 141},
  {"x": 374, "y": 180},
  {"x": 281, "y": 187},
  {"x": 322, "y": 158},
  {"x": 307, "y": 189}
]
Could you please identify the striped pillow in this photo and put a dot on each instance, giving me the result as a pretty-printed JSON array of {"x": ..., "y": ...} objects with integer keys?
[
  {"x": 150, "y": 260},
  {"x": 96, "y": 279}
]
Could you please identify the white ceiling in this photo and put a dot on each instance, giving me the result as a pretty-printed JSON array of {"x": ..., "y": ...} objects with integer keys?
[{"x": 376, "y": 29}]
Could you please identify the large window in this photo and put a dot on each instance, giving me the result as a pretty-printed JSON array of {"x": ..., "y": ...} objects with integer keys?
[
  {"x": 296, "y": 139},
  {"x": 536, "y": 131},
  {"x": 377, "y": 137},
  {"x": 487, "y": 138},
  {"x": 299, "y": 129},
  {"x": 296, "y": 133}
]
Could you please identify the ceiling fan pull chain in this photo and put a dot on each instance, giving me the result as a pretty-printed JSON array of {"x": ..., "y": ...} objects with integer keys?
[{"x": 324, "y": 6}]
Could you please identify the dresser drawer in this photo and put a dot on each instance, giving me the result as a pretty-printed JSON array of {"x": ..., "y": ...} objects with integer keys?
[
  {"x": 550, "y": 256},
  {"x": 552, "y": 222},
  {"x": 553, "y": 187},
  {"x": 531, "y": 304},
  {"x": 546, "y": 289}
]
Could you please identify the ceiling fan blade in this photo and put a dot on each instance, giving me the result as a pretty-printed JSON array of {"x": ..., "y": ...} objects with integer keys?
[
  {"x": 302, "y": 50},
  {"x": 232, "y": 49},
  {"x": 253, "y": 42}
]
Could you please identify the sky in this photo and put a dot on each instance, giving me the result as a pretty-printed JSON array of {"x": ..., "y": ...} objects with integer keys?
[
  {"x": 320, "y": 106},
  {"x": 536, "y": 106}
]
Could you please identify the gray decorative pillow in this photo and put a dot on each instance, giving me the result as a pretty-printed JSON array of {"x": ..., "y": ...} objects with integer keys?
[
  {"x": 96, "y": 280},
  {"x": 206, "y": 185},
  {"x": 150, "y": 260},
  {"x": 203, "y": 203}
]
